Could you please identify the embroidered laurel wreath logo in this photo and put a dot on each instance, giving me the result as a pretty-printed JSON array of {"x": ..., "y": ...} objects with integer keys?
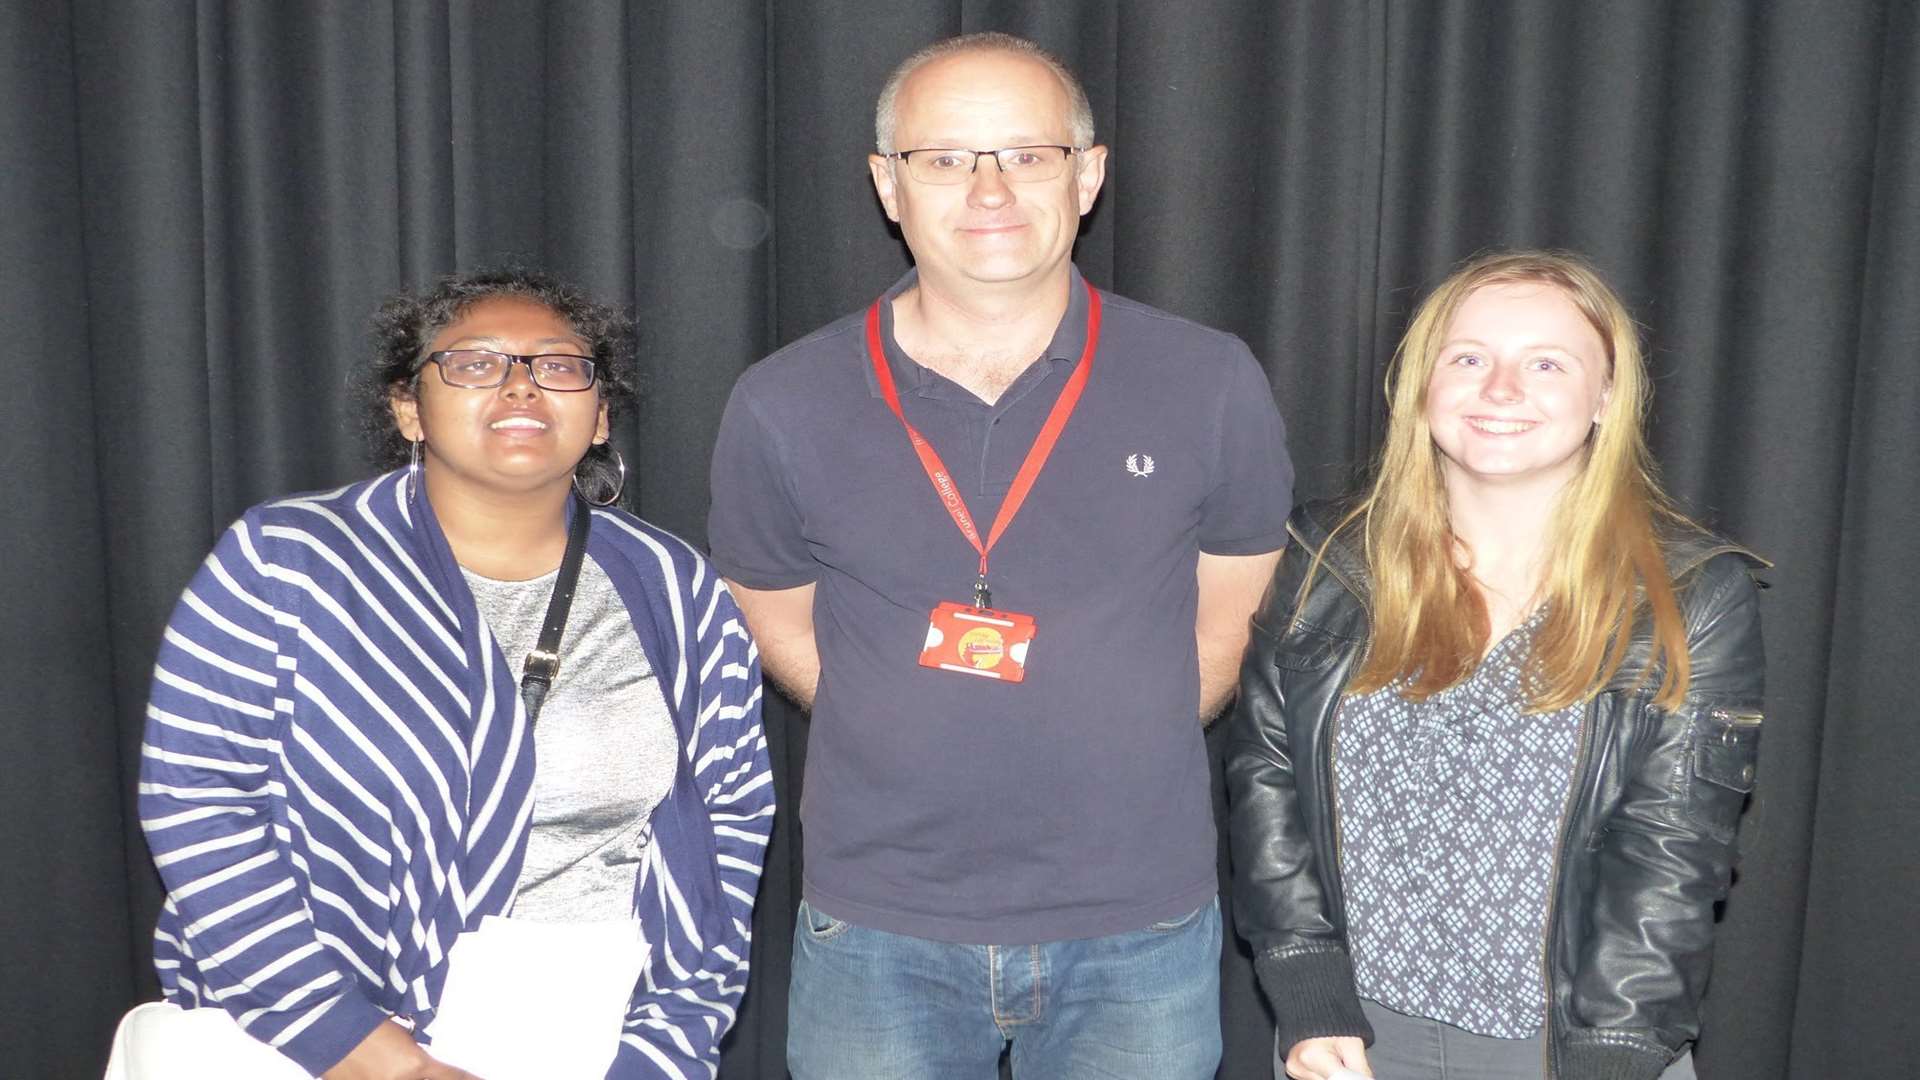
[{"x": 1140, "y": 464}]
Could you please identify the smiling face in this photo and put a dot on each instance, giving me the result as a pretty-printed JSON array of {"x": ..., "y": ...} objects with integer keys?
[
  {"x": 513, "y": 438},
  {"x": 985, "y": 230},
  {"x": 1519, "y": 382}
]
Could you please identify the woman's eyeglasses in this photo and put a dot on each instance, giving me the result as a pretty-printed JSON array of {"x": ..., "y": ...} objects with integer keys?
[{"x": 482, "y": 369}]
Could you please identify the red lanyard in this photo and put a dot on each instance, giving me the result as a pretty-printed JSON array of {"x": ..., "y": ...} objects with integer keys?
[{"x": 943, "y": 484}]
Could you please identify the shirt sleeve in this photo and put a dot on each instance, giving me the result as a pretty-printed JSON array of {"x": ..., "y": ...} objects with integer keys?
[
  {"x": 209, "y": 767},
  {"x": 688, "y": 997},
  {"x": 753, "y": 525},
  {"x": 1246, "y": 511}
]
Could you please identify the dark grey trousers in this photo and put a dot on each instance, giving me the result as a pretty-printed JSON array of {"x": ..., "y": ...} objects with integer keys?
[{"x": 1413, "y": 1048}]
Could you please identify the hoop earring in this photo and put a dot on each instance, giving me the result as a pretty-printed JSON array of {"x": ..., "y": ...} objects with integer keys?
[
  {"x": 617, "y": 488},
  {"x": 413, "y": 469}
]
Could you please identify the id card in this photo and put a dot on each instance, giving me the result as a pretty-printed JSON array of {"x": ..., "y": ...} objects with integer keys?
[{"x": 978, "y": 641}]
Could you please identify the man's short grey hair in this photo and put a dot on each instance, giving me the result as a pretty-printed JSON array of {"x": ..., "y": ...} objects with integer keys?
[{"x": 1079, "y": 113}]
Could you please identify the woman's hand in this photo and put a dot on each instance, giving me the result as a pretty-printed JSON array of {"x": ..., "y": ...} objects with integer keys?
[
  {"x": 389, "y": 1053},
  {"x": 1318, "y": 1059}
]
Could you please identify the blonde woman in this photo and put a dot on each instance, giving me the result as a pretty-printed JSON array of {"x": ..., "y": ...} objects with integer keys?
[{"x": 1498, "y": 719}]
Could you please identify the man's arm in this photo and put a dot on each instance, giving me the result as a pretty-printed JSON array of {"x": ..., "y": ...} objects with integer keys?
[
  {"x": 1230, "y": 589},
  {"x": 782, "y": 624}
]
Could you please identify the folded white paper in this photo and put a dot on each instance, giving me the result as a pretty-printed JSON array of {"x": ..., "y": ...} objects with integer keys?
[{"x": 537, "y": 1001}]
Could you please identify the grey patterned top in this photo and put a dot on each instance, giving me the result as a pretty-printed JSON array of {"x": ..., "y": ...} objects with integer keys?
[
  {"x": 604, "y": 748},
  {"x": 1449, "y": 810}
]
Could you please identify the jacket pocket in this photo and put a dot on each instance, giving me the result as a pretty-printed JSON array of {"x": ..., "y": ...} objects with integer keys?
[
  {"x": 1306, "y": 649},
  {"x": 1725, "y": 755}
]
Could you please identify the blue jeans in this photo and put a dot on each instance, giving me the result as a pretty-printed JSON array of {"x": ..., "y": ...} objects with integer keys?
[{"x": 869, "y": 1005}]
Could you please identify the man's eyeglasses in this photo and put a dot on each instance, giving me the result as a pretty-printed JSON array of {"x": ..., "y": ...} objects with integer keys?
[
  {"x": 481, "y": 369},
  {"x": 1018, "y": 164}
]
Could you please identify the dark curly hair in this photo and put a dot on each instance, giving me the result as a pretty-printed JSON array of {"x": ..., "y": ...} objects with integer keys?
[{"x": 406, "y": 323}]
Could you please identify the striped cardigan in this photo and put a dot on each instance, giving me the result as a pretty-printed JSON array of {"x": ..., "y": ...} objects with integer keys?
[{"x": 337, "y": 779}]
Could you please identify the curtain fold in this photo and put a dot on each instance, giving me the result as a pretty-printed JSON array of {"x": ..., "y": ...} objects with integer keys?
[
  {"x": 67, "y": 928},
  {"x": 1860, "y": 950},
  {"x": 202, "y": 203}
]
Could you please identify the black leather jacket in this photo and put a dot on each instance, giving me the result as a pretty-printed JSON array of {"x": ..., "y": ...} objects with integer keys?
[{"x": 1646, "y": 842}]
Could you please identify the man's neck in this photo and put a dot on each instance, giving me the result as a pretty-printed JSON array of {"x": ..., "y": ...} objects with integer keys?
[
  {"x": 507, "y": 536},
  {"x": 981, "y": 338}
]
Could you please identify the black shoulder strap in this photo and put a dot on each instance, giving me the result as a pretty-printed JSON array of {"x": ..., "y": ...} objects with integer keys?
[{"x": 543, "y": 663}]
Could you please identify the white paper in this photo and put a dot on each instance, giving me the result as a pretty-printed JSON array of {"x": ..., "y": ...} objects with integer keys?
[
  {"x": 537, "y": 1001},
  {"x": 161, "y": 1041}
]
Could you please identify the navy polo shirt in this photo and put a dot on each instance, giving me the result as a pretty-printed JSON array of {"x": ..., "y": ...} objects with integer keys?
[{"x": 946, "y": 806}]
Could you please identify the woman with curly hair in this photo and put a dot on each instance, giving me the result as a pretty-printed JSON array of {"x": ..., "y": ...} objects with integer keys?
[
  {"x": 457, "y": 770},
  {"x": 1498, "y": 719}
]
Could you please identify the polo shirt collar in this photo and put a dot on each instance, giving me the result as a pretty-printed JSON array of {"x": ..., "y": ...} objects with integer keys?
[{"x": 1069, "y": 338}]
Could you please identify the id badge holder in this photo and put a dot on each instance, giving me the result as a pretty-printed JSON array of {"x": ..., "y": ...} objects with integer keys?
[{"x": 978, "y": 641}]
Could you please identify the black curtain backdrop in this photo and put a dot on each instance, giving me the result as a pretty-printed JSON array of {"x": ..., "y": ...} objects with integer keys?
[{"x": 201, "y": 204}]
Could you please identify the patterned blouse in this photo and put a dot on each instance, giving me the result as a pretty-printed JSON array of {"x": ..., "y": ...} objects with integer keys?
[{"x": 1449, "y": 812}]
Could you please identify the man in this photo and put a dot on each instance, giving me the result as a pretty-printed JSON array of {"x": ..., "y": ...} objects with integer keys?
[{"x": 1005, "y": 639}]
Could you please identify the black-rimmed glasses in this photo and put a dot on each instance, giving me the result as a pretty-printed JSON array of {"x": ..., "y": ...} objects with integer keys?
[
  {"x": 1018, "y": 164},
  {"x": 483, "y": 369}
]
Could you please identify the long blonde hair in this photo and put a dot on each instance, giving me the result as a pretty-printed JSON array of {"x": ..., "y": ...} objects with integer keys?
[{"x": 1430, "y": 625}]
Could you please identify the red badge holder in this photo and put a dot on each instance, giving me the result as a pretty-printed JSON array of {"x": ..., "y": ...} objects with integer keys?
[
  {"x": 978, "y": 641},
  {"x": 977, "y": 638}
]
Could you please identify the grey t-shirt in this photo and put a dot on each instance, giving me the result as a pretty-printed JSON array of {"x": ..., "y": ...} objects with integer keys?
[
  {"x": 605, "y": 749},
  {"x": 944, "y": 806}
]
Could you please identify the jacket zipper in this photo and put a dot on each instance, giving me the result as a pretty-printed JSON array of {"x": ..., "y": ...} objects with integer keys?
[
  {"x": 1337, "y": 887},
  {"x": 1574, "y": 787},
  {"x": 1333, "y": 810},
  {"x": 1740, "y": 719}
]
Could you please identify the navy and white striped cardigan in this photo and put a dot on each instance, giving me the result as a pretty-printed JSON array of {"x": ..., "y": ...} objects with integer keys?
[{"x": 337, "y": 779}]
